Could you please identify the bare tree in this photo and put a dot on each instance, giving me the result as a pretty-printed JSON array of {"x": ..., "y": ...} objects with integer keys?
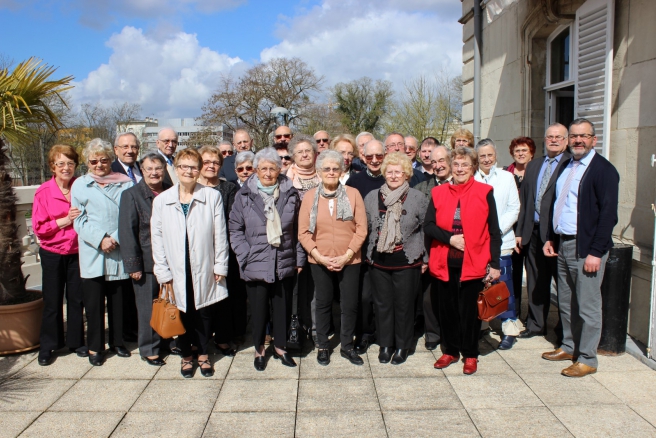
[
  {"x": 97, "y": 120},
  {"x": 321, "y": 117},
  {"x": 362, "y": 103}
]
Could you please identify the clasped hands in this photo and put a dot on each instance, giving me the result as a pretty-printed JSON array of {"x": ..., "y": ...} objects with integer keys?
[{"x": 333, "y": 263}]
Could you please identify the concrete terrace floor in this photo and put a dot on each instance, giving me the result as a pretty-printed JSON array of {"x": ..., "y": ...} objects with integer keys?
[{"x": 514, "y": 393}]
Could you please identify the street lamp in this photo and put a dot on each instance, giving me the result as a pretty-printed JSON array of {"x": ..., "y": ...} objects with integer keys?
[{"x": 280, "y": 112}]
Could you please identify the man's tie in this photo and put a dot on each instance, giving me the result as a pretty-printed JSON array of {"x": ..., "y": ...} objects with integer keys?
[
  {"x": 131, "y": 174},
  {"x": 543, "y": 184},
  {"x": 562, "y": 196}
]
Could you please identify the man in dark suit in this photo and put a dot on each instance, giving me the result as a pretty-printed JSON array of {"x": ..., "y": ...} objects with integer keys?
[
  {"x": 536, "y": 194},
  {"x": 167, "y": 143},
  {"x": 395, "y": 142},
  {"x": 126, "y": 149},
  {"x": 241, "y": 141},
  {"x": 584, "y": 214}
]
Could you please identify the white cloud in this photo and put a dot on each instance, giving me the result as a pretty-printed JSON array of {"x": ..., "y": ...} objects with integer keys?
[{"x": 171, "y": 77}]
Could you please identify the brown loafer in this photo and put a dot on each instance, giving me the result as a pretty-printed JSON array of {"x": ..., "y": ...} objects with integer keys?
[
  {"x": 557, "y": 354},
  {"x": 578, "y": 369}
]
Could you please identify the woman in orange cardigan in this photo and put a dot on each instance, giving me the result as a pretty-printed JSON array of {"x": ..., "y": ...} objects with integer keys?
[{"x": 332, "y": 227}]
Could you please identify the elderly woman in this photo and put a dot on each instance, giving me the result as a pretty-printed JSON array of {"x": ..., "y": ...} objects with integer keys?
[
  {"x": 461, "y": 219},
  {"x": 345, "y": 145},
  {"x": 136, "y": 249},
  {"x": 230, "y": 320},
  {"x": 462, "y": 137},
  {"x": 188, "y": 233},
  {"x": 52, "y": 219},
  {"x": 303, "y": 174},
  {"x": 97, "y": 195},
  {"x": 244, "y": 166},
  {"x": 397, "y": 255},
  {"x": 506, "y": 199},
  {"x": 332, "y": 228},
  {"x": 263, "y": 235}
]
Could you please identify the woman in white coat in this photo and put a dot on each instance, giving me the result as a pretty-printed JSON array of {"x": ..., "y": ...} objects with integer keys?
[{"x": 195, "y": 261}]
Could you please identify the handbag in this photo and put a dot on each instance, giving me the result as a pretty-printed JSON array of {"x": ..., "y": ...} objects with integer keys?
[
  {"x": 493, "y": 301},
  {"x": 295, "y": 334},
  {"x": 165, "y": 319}
]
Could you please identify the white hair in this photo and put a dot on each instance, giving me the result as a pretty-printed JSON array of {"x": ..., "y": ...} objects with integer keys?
[
  {"x": 267, "y": 154},
  {"x": 98, "y": 146},
  {"x": 243, "y": 157},
  {"x": 330, "y": 155}
]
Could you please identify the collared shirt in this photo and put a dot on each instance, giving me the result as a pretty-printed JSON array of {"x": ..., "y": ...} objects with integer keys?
[
  {"x": 536, "y": 216},
  {"x": 567, "y": 223},
  {"x": 423, "y": 169},
  {"x": 416, "y": 164},
  {"x": 169, "y": 161},
  {"x": 135, "y": 170}
]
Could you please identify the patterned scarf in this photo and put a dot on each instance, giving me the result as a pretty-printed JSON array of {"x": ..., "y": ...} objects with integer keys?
[
  {"x": 273, "y": 226},
  {"x": 344, "y": 211},
  {"x": 390, "y": 234}
]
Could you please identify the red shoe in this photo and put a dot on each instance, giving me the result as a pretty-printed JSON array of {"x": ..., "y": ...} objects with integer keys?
[
  {"x": 445, "y": 361},
  {"x": 470, "y": 365}
]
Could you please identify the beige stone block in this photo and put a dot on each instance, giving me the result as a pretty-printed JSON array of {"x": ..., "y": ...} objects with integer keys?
[
  {"x": 64, "y": 366},
  {"x": 632, "y": 387},
  {"x": 646, "y": 411},
  {"x": 74, "y": 424},
  {"x": 468, "y": 92},
  {"x": 340, "y": 423},
  {"x": 274, "y": 395},
  {"x": 242, "y": 368},
  {"x": 337, "y": 369},
  {"x": 347, "y": 394},
  {"x": 467, "y": 115},
  {"x": 425, "y": 423},
  {"x": 641, "y": 31},
  {"x": 409, "y": 394},
  {"x": 10, "y": 365},
  {"x": 177, "y": 396},
  {"x": 603, "y": 420},
  {"x": 468, "y": 71},
  {"x": 118, "y": 368},
  {"x": 637, "y": 96},
  {"x": 171, "y": 371},
  {"x": 100, "y": 395},
  {"x": 417, "y": 365},
  {"x": 468, "y": 50},
  {"x": 529, "y": 421},
  {"x": 570, "y": 392},
  {"x": 622, "y": 363},
  {"x": 479, "y": 392},
  {"x": 20, "y": 395},
  {"x": 250, "y": 424},
  {"x": 172, "y": 424},
  {"x": 11, "y": 425}
]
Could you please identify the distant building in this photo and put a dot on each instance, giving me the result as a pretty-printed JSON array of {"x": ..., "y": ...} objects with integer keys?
[{"x": 189, "y": 132}]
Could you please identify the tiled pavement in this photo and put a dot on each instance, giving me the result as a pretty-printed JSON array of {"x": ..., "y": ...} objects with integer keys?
[{"x": 514, "y": 393}]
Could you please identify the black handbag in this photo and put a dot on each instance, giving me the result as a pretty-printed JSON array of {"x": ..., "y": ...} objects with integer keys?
[{"x": 296, "y": 334}]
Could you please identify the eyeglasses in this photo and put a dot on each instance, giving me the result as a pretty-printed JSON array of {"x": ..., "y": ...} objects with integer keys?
[
  {"x": 279, "y": 136},
  {"x": 461, "y": 141},
  {"x": 399, "y": 145},
  {"x": 214, "y": 163},
  {"x": 410, "y": 149},
  {"x": 394, "y": 173},
  {"x": 268, "y": 169},
  {"x": 168, "y": 141},
  {"x": 555, "y": 137},
  {"x": 330, "y": 169},
  {"x": 440, "y": 161},
  {"x": 243, "y": 142},
  {"x": 187, "y": 168},
  {"x": 246, "y": 168},
  {"x": 102, "y": 161},
  {"x": 461, "y": 166},
  {"x": 62, "y": 164},
  {"x": 379, "y": 157},
  {"x": 151, "y": 170},
  {"x": 126, "y": 147},
  {"x": 303, "y": 151},
  {"x": 585, "y": 136},
  {"x": 285, "y": 157},
  {"x": 348, "y": 154},
  {"x": 322, "y": 140},
  {"x": 227, "y": 153}
]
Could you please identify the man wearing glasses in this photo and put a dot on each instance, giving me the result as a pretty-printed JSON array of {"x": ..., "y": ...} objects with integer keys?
[
  {"x": 323, "y": 141},
  {"x": 167, "y": 143},
  {"x": 126, "y": 149},
  {"x": 241, "y": 142},
  {"x": 281, "y": 137}
]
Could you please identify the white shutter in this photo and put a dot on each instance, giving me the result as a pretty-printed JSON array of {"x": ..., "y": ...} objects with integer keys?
[{"x": 594, "y": 58}]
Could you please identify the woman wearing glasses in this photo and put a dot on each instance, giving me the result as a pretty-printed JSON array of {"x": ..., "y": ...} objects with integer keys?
[
  {"x": 244, "y": 166},
  {"x": 194, "y": 262},
  {"x": 97, "y": 195},
  {"x": 52, "y": 219}
]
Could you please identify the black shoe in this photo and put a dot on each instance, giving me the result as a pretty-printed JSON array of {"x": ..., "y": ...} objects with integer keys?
[
  {"x": 176, "y": 351},
  {"x": 208, "y": 371},
  {"x": 96, "y": 359},
  {"x": 528, "y": 334},
  {"x": 483, "y": 333},
  {"x": 157, "y": 362},
  {"x": 362, "y": 346},
  {"x": 45, "y": 358},
  {"x": 122, "y": 351},
  {"x": 507, "y": 342},
  {"x": 82, "y": 351},
  {"x": 385, "y": 354},
  {"x": 229, "y": 352},
  {"x": 260, "y": 363},
  {"x": 323, "y": 357},
  {"x": 189, "y": 372},
  {"x": 352, "y": 356},
  {"x": 431, "y": 345},
  {"x": 400, "y": 356},
  {"x": 284, "y": 358}
]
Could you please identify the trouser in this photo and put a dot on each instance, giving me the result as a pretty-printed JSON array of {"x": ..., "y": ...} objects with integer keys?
[
  {"x": 62, "y": 276},
  {"x": 394, "y": 295},
  {"x": 197, "y": 323},
  {"x": 145, "y": 290},
  {"x": 517, "y": 277},
  {"x": 324, "y": 280},
  {"x": 540, "y": 269},
  {"x": 304, "y": 288},
  {"x": 458, "y": 313},
  {"x": 95, "y": 291},
  {"x": 431, "y": 323},
  {"x": 579, "y": 303},
  {"x": 509, "y": 317},
  {"x": 365, "y": 328},
  {"x": 130, "y": 315},
  {"x": 237, "y": 300},
  {"x": 280, "y": 293}
]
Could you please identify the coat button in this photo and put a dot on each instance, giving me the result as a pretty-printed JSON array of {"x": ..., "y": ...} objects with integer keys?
[{"x": 404, "y": 212}]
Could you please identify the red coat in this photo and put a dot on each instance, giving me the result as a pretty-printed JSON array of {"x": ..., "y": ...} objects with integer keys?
[{"x": 474, "y": 211}]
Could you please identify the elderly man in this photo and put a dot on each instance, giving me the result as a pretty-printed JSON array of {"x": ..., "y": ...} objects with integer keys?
[
  {"x": 360, "y": 140},
  {"x": 241, "y": 142},
  {"x": 126, "y": 148},
  {"x": 323, "y": 140},
  {"x": 536, "y": 196},
  {"x": 167, "y": 143},
  {"x": 584, "y": 214},
  {"x": 425, "y": 162},
  {"x": 411, "y": 148},
  {"x": 282, "y": 136},
  {"x": 395, "y": 142}
]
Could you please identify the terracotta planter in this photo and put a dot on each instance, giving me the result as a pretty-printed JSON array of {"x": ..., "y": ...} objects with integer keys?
[{"x": 20, "y": 325}]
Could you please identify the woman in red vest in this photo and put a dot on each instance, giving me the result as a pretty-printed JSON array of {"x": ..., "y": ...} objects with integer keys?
[{"x": 465, "y": 250}]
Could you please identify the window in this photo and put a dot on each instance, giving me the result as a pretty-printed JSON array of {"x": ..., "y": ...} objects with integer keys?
[{"x": 560, "y": 51}]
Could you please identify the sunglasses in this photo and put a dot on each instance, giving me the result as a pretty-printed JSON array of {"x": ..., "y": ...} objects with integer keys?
[
  {"x": 279, "y": 136},
  {"x": 322, "y": 140},
  {"x": 379, "y": 157},
  {"x": 225, "y": 153},
  {"x": 246, "y": 168},
  {"x": 285, "y": 157},
  {"x": 102, "y": 161}
]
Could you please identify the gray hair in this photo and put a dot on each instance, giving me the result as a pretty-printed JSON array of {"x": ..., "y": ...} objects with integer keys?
[
  {"x": 153, "y": 156},
  {"x": 98, "y": 146},
  {"x": 371, "y": 142},
  {"x": 581, "y": 121},
  {"x": 447, "y": 149},
  {"x": 486, "y": 142},
  {"x": 165, "y": 128},
  {"x": 243, "y": 157},
  {"x": 123, "y": 134},
  {"x": 330, "y": 155},
  {"x": 558, "y": 125},
  {"x": 227, "y": 143},
  {"x": 298, "y": 139},
  {"x": 412, "y": 137},
  {"x": 267, "y": 154},
  {"x": 362, "y": 134}
]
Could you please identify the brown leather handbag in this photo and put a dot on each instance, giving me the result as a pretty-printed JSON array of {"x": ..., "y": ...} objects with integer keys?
[
  {"x": 493, "y": 301},
  {"x": 165, "y": 319}
]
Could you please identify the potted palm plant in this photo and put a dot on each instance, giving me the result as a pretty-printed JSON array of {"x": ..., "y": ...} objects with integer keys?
[{"x": 25, "y": 97}]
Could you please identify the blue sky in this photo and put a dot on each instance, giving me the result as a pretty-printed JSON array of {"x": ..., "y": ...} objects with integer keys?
[{"x": 168, "y": 55}]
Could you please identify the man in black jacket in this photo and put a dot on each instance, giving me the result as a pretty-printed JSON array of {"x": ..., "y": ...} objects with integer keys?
[
  {"x": 241, "y": 141},
  {"x": 584, "y": 214},
  {"x": 536, "y": 196}
]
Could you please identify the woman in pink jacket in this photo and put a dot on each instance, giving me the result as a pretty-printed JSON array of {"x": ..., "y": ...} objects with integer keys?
[{"x": 52, "y": 219}]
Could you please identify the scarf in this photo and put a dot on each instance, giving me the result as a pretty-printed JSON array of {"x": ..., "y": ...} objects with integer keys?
[
  {"x": 112, "y": 178},
  {"x": 303, "y": 179},
  {"x": 344, "y": 211},
  {"x": 273, "y": 226},
  {"x": 390, "y": 233}
]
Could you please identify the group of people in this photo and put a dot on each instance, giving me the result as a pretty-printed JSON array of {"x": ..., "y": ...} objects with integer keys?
[{"x": 394, "y": 231}]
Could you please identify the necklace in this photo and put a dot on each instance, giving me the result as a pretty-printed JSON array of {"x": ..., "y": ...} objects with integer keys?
[{"x": 64, "y": 192}]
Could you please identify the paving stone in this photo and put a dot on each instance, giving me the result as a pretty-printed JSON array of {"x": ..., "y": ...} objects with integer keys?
[
  {"x": 489, "y": 364},
  {"x": 558, "y": 390},
  {"x": 341, "y": 423},
  {"x": 339, "y": 368},
  {"x": 169, "y": 424},
  {"x": 406, "y": 394},
  {"x": 419, "y": 364},
  {"x": 347, "y": 394},
  {"x": 242, "y": 367},
  {"x": 74, "y": 424},
  {"x": 603, "y": 420},
  {"x": 646, "y": 411},
  {"x": 527, "y": 361},
  {"x": 506, "y": 390},
  {"x": 632, "y": 387},
  {"x": 21, "y": 395},
  {"x": 446, "y": 422},
  {"x": 529, "y": 421},
  {"x": 257, "y": 396},
  {"x": 623, "y": 363},
  {"x": 66, "y": 366},
  {"x": 250, "y": 424},
  {"x": 11, "y": 364},
  {"x": 11, "y": 425},
  {"x": 178, "y": 396},
  {"x": 119, "y": 368},
  {"x": 100, "y": 395},
  {"x": 171, "y": 371}
]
